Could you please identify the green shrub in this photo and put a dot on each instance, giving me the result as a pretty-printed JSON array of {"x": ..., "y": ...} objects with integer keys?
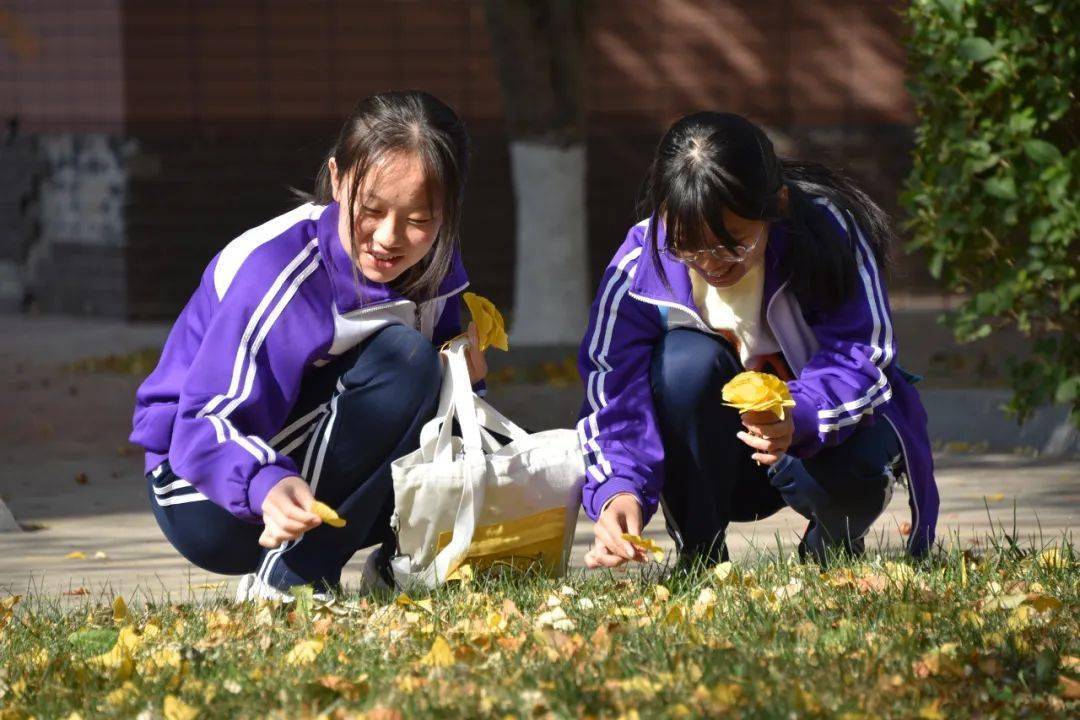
[{"x": 994, "y": 194}]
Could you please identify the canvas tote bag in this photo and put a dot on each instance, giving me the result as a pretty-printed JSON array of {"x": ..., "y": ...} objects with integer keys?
[{"x": 469, "y": 498}]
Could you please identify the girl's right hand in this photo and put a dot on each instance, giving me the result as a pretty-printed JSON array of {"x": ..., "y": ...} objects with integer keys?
[
  {"x": 621, "y": 515},
  {"x": 285, "y": 512}
]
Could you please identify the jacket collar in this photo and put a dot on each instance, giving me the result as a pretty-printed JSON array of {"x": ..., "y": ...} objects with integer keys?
[
  {"x": 351, "y": 289},
  {"x": 648, "y": 285}
]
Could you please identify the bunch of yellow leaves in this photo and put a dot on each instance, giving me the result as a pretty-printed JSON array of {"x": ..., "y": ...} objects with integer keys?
[
  {"x": 758, "y": 392},
  {"x": 489, "y": 322}
]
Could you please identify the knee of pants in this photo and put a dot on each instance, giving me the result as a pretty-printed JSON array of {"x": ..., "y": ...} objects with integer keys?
[
  {"x": 685, "y": 365},
  {"x": 216, "y": 547},
  {"x": 855, "y": 475},
  {"x": 402, "y": 359},
  {"x": 863, "y": 498},
  {"x": 859, "y": 497}
]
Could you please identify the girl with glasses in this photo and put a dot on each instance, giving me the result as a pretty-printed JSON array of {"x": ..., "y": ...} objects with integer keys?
[{"x": 746, "y": 261}]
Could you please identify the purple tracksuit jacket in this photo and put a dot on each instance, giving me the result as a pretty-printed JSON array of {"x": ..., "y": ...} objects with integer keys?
[
  {"x": 844, "y": 362},
  {"x": 278, "y": 301}
]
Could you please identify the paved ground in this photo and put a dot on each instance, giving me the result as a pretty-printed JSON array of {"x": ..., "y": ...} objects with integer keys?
[{"x": 64, "y": 426}]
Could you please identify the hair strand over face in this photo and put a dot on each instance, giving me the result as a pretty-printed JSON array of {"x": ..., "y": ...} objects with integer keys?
[{"x": 408, "y": 122}]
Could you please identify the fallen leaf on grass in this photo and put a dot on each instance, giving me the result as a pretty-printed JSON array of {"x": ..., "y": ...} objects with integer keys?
[
  {"x": 555, "y": 619},
  {"x": 645, "y": 545},
  {"x": 1041, "y": 603},
  {"x": 7, "y": 609},
  {"x": 720, "y": 699},
  {"x": 931, "y": 711},
  {"x": 304, "y": 652},
  {"x": 327, "y": 514},
  {"x": 166, "y": 658},
  {"x": 705, "y": 605},
  {"x": 348, "y": 689},
  {"x": 119, "y": 610},
  {"x": 722, "y": 571},
  {"x": 173, "y": 708},
  {"x": 638, "y": 686},
  {"x": 675, "y": 615},
  {"x": 405, "y": 601},
  {"x": 942, "y": 660},
  {"x": 495, "y": 623},
  {"x": 463, "y": 574},
  {"x": 118, "y": 660},
  {"x": 1052, "y": 557},
  {"x": 793, "y": 588},
  {"x": 208, "y": 586},
  {"x": 122, "y": 694},
  {"x": 440, "y": 654}
]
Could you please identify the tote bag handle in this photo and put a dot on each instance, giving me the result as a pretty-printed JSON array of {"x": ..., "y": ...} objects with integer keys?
[{"x": 460, "y": 403}]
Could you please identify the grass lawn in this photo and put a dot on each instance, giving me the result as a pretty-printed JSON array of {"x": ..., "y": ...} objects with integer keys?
[{"x": 992, "y": 632}]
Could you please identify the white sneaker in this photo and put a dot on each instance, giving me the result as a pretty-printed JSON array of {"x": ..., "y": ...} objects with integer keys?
[{"x": 251, "y": 588}]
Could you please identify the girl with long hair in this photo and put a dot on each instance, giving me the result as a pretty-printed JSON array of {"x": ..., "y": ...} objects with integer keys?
[
  {"x": 746, "y": 261},
  {"x": 306, "y": 361}
]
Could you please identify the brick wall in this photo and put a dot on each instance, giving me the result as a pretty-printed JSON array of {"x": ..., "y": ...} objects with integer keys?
[{"x": 226, "y": 104}]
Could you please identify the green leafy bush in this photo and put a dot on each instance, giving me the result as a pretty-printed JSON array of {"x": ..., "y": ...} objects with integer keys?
[{"x": 994, "y": 194}]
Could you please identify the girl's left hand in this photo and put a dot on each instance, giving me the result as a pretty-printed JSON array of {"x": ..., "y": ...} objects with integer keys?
[
  {"x": 474, "y": 357},
  {"x": 767, "y": 434}
]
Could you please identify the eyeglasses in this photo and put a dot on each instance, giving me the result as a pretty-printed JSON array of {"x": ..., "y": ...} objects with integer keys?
[{"x": 718, "y": 253}]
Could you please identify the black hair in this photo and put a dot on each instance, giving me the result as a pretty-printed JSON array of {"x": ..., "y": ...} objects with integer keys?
[
  {"x": 708, "y": 161},
  {"x": 409, "y": 121}
]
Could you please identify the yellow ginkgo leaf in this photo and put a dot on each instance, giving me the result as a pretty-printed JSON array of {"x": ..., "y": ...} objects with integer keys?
[
  {"x": 645, "y": 545},
  {"x": 118, "y": 660},
  {"x": 122, "y": 694},
  {"x": 328, "y": 514},
  {"x": 722, "y": 571},
  {"x": 462, "y": 573},
  {"x": 208, "y": 585},
  {"x": 119, "y": 610},
  {"x": 173, "y": 708},
  {"x": 161, "y": 659},
  {"x": 304, "y": 652},
  {"x": 1052, "y": 557},
  {"x": 489, "y": 322},
  {"x": 758, "y": 392},
  {"x": 440, "y": 654}
]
